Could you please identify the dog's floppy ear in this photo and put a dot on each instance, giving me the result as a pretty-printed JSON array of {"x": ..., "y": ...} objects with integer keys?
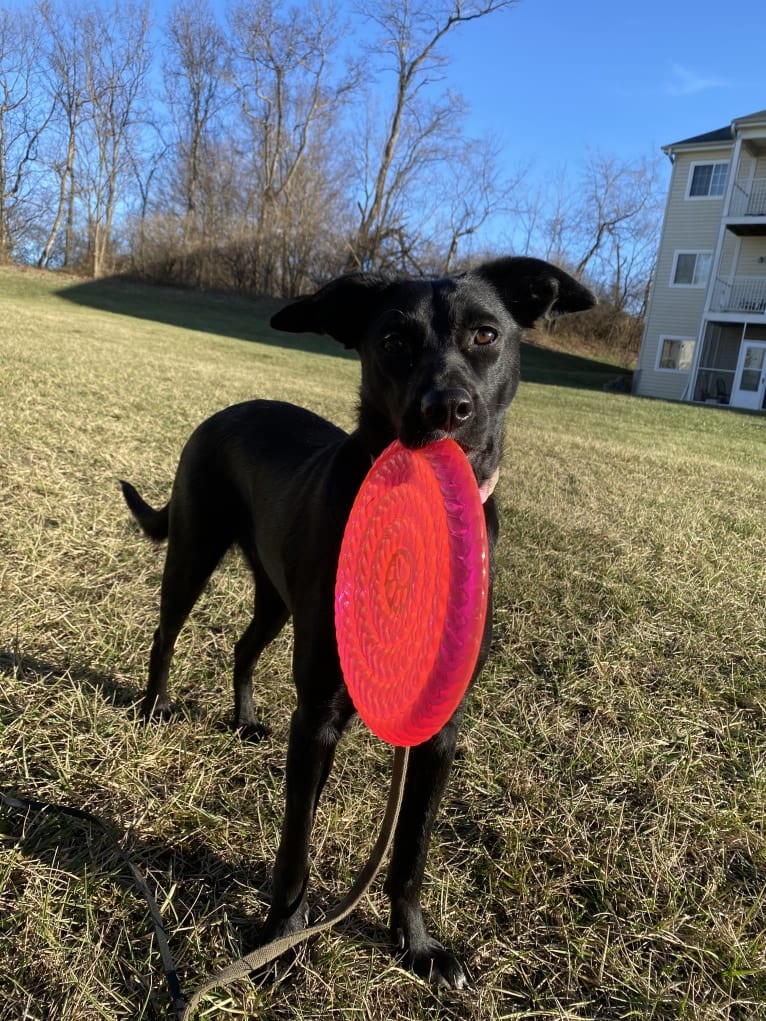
[
  {"x": 532, "y": 288},
  {"x": 340, "y": 309}
]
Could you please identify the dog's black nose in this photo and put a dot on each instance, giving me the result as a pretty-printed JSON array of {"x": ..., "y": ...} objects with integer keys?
[{"x": 446, "y": 409}]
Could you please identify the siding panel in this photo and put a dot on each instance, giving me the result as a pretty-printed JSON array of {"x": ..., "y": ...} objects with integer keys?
[{"x": 690, "y": 225}]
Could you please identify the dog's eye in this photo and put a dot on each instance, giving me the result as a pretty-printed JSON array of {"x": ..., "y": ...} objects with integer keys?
[
  {"x": 485, "y": 335},
  {"x": 393, "y": 343}
]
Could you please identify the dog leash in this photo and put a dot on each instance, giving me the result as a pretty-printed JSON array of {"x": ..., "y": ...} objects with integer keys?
[{"x": 263, "y": 955}]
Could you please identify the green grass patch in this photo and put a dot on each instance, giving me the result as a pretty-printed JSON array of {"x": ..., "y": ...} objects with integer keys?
[{"x": 601, "y": 849}]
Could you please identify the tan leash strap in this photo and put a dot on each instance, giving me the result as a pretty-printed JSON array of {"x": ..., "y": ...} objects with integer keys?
[{"x": 267, "y": 953}]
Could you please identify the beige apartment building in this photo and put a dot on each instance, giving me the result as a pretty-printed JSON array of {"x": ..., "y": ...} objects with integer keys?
[{"x": 705, "y": 334}]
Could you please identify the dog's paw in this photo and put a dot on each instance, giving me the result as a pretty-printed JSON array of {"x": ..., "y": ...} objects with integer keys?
[
  {"x": 156, "y": 711},
  {"x": 433, "y": 962},
  {"x": 252, "y": 731}
]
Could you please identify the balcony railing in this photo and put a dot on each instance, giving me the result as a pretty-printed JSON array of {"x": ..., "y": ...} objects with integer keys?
[
  {"x": 750, "y": 200},
  {"x": 741, "y": 294}
]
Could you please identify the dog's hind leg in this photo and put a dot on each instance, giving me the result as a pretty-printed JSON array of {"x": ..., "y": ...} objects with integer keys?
[
  {"x": 269, "y": 617},
  {"x": 191, "y": 559}
]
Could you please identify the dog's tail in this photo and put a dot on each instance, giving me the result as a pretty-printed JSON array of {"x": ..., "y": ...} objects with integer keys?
[{"x": 154, "y": 523}]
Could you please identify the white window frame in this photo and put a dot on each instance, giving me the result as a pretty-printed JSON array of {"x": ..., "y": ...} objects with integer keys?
[
  {"x": 695, "y": 252},
  {"x": 660, "y": 346},
  {"x": 706, "y": 163}
]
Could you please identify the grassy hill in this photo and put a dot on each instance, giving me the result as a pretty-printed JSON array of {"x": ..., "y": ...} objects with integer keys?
[
  {"x": 601, "y": 850},
  {"x": 544, "y": 359}
]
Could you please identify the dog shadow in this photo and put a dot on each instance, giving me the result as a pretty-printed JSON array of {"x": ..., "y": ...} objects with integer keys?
[{"x": 116, "y": 694}]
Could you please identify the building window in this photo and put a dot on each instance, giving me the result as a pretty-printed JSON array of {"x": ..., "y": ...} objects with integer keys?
[
  {"x": 707, "y": 180},
  {"x": 691, "y": 269},
  {"x": 675, "y": 354}
]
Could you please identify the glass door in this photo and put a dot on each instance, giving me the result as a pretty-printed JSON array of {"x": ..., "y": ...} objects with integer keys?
[{"x": 750, "y": 380}]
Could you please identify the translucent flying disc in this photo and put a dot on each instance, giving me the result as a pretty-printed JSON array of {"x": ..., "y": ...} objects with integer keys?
[{"x": 411, "y": 590}]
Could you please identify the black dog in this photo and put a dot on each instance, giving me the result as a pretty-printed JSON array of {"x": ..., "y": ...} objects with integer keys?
[{"x": 439, "y": 357}]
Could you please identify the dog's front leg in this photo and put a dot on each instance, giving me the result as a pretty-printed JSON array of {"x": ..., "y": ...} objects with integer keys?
[
  {"x": 310, "y": 754},
  {"x": 427, "y": 776},
  {"x": 305, "y": 769}
]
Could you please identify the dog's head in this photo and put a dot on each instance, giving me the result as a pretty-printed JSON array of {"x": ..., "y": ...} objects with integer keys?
[{"x": 439, "y": 357}]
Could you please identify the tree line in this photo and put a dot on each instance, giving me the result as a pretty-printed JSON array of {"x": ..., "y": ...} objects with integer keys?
[{"x": 272, "y": 146}]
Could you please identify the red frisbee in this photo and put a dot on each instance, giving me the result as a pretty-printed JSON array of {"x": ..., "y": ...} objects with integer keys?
[{"x": 411, "y": 590}]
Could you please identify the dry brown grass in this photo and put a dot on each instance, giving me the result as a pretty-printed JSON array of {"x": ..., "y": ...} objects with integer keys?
[{"x": 601, "y": 852}]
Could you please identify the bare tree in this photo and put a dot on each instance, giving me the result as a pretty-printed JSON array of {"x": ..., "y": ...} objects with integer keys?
[
  {"x": 64, "y": 73},
  {"x": 195, "y": 73},
  {"x": 603, "y": 222},
  {"x": 415, "y": 128},
  {"x": 473, "y": 188},
  {"x": 117, "y": 60},
  {"x": 291, "y": 91},
  {"x": 23, "y": 118},
  {"x": 618, "y": 219}
]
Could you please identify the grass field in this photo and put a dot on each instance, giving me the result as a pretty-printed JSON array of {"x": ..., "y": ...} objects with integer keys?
[{"x": 601, "y": 852}]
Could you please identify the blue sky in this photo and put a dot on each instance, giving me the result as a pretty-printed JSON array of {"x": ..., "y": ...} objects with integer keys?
[{"x": 554, "y": 78}]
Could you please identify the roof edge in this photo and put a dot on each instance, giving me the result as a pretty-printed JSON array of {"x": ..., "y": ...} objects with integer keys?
[
  {"x": 750, "y": 120},
  {"x": 720, "y": 136}
]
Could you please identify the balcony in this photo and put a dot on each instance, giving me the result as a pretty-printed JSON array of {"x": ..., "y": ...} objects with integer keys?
[
  {"x": 741, "y": 294},
  {"x": 747, "y": 210}
]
